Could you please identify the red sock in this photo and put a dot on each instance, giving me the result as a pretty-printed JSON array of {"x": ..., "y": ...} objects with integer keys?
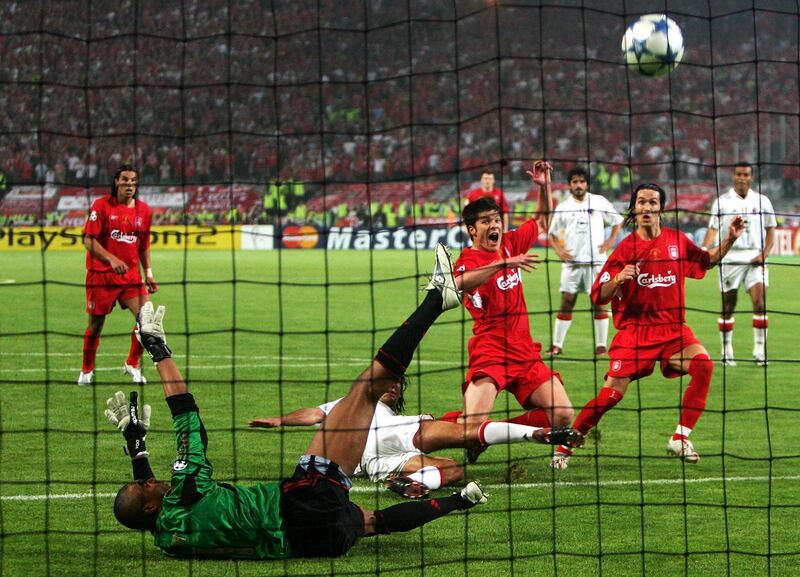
[
  {"x": 694, "y": 399},
  {"x": 90, "y": 344},
  {"x": 450, "y": 416},
  {"x": 596, "y": 408},
  {"x": 135, "y": 354},
  {"x": 533, "y": 418}
]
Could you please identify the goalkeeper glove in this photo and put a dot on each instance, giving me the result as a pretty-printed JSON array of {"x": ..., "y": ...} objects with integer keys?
[
  {"x": 150, "y": 332},
  {"x": 133, "y": 424}
]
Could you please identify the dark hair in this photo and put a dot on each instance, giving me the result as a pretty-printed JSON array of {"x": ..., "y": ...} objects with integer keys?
[
  {"x": 743, "y": 164},
  {"x": 123, "y": 168},
  {"x": 486, "y": 171},
  {"x": 129, "y": 508},
  {"x": 577, "y": 171},
  {"x": 484, "y": 204},
  {"x": 630, "y": 218},
  {"x": 400, "y": 403}
]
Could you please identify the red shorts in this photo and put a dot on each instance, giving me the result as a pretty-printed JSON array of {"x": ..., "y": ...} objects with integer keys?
[
  {"x": 520, "y": 378},
  {"x": 635, "y": 350},
  {"x": 104, "y": 289}
]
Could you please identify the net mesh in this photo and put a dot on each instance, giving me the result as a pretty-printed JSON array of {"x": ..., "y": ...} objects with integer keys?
[{"x": 346, "y": 124}]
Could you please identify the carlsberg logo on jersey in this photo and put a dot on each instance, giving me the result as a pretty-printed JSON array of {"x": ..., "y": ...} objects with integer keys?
[
  {"x": 509, "y": 281},
  {"x": 656, "y": 280},
  {"x": 120, "y": 236}
]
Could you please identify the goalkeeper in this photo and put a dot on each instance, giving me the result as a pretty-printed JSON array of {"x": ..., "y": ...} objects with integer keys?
[{"x": 308, "y": 515}]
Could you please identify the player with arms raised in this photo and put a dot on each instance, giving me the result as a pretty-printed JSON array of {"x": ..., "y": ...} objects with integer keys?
[
  {"x": 117, "y": 241},
  {"x": 502, "y": 353},
  {"x": 644, "y": 280}
]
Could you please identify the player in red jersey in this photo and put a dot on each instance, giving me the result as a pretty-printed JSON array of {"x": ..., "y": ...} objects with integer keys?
[
  {"x": 644, "y": 280},
  {"x": 117, "y": 240},
  {"x": 502, "y": 353},
  {"x": 488, "y": 188}
]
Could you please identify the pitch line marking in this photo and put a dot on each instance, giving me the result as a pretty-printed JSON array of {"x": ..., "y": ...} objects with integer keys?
[{"x": 494, "y": 487}]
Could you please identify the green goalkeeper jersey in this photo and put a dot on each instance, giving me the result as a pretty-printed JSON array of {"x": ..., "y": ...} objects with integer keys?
[{"x": 203, "y": 518}]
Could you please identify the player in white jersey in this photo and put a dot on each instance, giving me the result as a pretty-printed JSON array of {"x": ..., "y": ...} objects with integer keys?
[
  {"x": 577, "y": 235},
  {"x": 746, "y": 262},
  {"x": 397, "y": 444}
]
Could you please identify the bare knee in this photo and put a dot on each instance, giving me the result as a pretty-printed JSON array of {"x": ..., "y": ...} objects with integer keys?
[{"x": 562, "y": 416}]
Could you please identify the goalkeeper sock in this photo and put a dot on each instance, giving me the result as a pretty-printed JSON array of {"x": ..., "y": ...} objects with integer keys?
[
  {"x": 408, "y": 516},
  {"x": 397, "y": 352},
  {"x": 90, "y": 344},
  {"x": 596, "y": 408},
  {"x": 135, "y": 352}
]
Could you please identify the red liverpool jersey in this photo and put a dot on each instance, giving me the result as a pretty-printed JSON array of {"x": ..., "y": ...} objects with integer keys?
[
  {"x": 123, "y": 231},
  {"x": 656, "y": 296},
  {"x": 496, "y": 194},
  {"x": 498, "y": 305}
]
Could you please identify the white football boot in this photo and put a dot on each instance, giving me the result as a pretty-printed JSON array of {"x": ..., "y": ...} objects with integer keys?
[
  {"x": 683, "y": 449},
  {"x": 444, "y": 280},
  {"x": 135, "y": 373},
  {"x": 86, "y": 378}
]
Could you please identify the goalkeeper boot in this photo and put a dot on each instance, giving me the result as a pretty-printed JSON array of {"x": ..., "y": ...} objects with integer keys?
[
  {"x": 135, "y": 373},
  {"x": 683, "y": 449},
  {"x": 473, "y": 494},
  {"x": 86, "y": 378},
  {"x": 444, "y": 280}
]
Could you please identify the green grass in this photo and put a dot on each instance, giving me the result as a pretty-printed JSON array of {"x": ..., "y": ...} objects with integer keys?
[{"x": 262, "y": 333}]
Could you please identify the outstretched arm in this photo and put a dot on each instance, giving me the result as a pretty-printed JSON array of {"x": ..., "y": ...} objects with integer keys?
[
  {"x": 474, "y": 278},
  {"x": 301, "y": 417},
  {"x": 134, "y": 424},
  {"x": 150, "y": 332},
  {"x": 541, "y": 175},
  {"x": 735, "y": 230}
]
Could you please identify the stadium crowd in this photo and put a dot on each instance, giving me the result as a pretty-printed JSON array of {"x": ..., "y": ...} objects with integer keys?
[{"x": 256, "y": 91}]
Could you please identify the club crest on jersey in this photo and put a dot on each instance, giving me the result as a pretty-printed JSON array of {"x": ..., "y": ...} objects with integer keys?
[
  {"x": 180, "y": 465},
  {"x": 673, "y": 252},
  {"x": 616, "y": 366},
  {"x": 656, "y": 280},
  {"x": 138, "y": 222},
  {"x": 605, "y": 277},
  {"x": 509, "y": 281},
  {"x": 93, "y": 216}
]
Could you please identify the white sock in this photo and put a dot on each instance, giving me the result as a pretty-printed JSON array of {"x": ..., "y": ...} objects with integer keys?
[
  {"x": 759, "y": 335},
  {"x": 560, "y": 332},
  {"x": 726, "y": 337},
  {"x": 601, "y": 332},
  {"x": 683, "y": 431},
  {"x": 429, "y": 476},
  {"x": 498, "y": 432}
]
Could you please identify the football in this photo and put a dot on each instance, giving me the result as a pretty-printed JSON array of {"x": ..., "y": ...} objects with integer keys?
[{"x": 653, "y": 45}]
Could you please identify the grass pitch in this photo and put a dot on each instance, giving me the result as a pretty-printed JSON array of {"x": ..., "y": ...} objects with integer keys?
[{"x": 258, "y": 334}]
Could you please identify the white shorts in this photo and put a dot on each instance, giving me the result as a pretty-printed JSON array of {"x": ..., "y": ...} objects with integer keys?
[
  {"x": 393, "y": 449},
  {"x": 732, "y": 275},
  {"x": 577, "y": 278}
]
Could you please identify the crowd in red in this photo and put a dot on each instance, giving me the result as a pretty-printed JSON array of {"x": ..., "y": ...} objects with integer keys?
[{"x": 252, "y": 91}]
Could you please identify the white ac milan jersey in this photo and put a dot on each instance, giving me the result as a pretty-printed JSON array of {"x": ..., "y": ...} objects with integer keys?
[
  {"x": 581, "y": 224},
  {"x": 757, "y": 211}
]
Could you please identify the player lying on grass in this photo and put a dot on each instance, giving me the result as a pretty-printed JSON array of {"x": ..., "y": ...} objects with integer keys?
[
  {"x": 644, "y": 280},
  {"x": 397, "y": 444},
  {"x": 307, "y": 515}
]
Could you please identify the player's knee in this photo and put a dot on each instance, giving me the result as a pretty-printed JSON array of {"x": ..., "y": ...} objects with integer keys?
[
  {"x": 701, "y": 369},
  {"x": 562, "y": 417}
]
